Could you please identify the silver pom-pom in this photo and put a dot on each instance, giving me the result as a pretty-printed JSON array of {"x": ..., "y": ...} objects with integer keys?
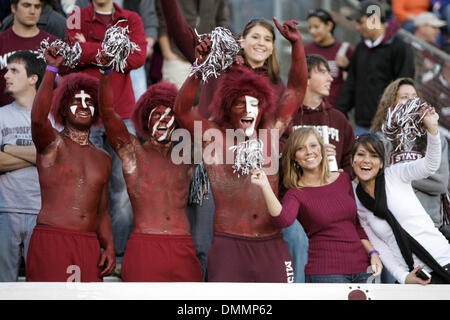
[
  {"x": 199, "y": 185},
  {"x": 70, "y": 54},
  {"x": 404, "y": 123},
  {"x": 118, "y": 46},
  {"x": 223, "y": 49},
  {"x": 249, "y": 155}
]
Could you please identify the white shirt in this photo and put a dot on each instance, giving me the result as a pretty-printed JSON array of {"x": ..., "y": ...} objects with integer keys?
[{"x": 410, "y": 214}]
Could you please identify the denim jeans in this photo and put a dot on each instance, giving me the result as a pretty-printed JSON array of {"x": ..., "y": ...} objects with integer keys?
[
  {"x": 138, "y": 81},
  {"x": 297, "y": 243},
  {"x": 15, "y": 234},
  {"x": 119, "y": 203},
  {"x": 362, "y": 277}
]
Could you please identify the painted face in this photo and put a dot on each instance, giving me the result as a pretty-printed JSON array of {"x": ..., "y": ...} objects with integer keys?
[
  {"x": 319, "y": 81},
  {"x": 366, "y": 164},
  {"x": 27, "y": 12},
  {"x": 16, "y": 79},
  {"x": 245, "y": 114},
  {"x": 83, "y": 100},
  {"x": 81, "y": 110},
  {"x": 405, "y": 92},
  {"x": 319, "y": 30},
  {"x": 161, "y": 123},
  {"x": 257, "y": 45},
  {"x": 309, "y": 154}
]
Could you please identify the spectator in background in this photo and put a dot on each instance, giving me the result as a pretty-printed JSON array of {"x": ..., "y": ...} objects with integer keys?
[
  {"x": 442, "y": 9},
  {"x": 428, "y": 190},
  {"x": 51, "y": 20},
  {"x": 5, "y": 10},
  {"x": 437, "y": 93},
  {"x": 321, "y": 27},
  {"x": 146, "y": 11},
  {"x": 427, "y": 29},
  {"x": 20, "y": 196},
  {"x": 24, "y": 34},
  {"x": 201, "y": 15},
  {"x": 406, "y": 10},
  {"x": 95, "y": 19},
  {"x": 389, "y": 56}
]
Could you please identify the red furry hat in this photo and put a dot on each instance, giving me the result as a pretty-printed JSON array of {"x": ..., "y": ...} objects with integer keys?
[
  {"x": 71, "y": 84},
  {"x": 160, "y": 94},
  {"x": 237, "y": 82}
]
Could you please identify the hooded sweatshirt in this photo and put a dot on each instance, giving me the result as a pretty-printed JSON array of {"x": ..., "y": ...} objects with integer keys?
[
  {"x": 340, "y": 131},
  {"x": 370, "y": 71}
]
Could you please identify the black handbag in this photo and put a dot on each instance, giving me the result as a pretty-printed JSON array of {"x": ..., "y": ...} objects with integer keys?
[{"x": 445, "y": 204}]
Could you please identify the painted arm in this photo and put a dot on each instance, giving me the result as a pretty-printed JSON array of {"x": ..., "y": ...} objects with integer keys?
[
  {"x": 42, "y": 130},
  {"x": 178, "y": 29},
  {"x": 185, "y": 114},
  {"x": 104, "y": 232},
  {"x": 116, "y": 130},
  {"x": 293, "y": 96}
]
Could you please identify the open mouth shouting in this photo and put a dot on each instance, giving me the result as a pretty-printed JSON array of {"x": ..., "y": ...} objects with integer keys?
[{"x": 161, "y": 123}]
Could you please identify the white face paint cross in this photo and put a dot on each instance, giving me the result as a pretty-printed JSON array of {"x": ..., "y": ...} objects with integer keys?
[{"x": 83, "y": 96}]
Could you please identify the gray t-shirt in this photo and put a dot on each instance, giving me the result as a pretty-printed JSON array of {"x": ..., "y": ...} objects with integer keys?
[{"x": 19, "y": 189}]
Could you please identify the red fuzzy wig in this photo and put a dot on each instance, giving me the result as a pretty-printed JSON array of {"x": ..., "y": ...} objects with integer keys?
[
  {"x": 237, "y": 82},
  {"x": 160, "y": 94},
  {"x": 71, "y": 84}
]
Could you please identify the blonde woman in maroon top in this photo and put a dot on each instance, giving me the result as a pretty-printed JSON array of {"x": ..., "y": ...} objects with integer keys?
[{"x": 323, "y": 202}]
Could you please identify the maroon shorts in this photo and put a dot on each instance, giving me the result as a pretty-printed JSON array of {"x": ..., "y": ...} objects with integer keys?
[
  {"x": 63, "y": 255},
  {"x": 161, "y": 258},
  {"x": 234, "y": 258}
]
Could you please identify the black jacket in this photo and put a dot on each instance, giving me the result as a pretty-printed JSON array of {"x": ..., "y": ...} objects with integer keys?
[{"x": 371, "y": 70}]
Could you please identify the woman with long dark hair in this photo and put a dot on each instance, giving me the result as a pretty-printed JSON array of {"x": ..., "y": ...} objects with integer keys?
[{"x": 410, "y": 246}]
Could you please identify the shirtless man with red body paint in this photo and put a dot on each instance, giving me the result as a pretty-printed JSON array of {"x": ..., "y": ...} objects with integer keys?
[
  {"x": 244, "y": 101},
  {"x": 160, "y": 247},
  {"x": 74, "y": 220}
]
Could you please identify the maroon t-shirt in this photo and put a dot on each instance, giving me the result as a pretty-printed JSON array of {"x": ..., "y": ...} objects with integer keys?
[
  {"x": 329, "y": 216},
  {"x": 10, "y": 43},
  {"x": 329, "y": 53}
]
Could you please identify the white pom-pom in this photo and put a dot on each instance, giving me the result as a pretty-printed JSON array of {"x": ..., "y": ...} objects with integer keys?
[
  {"x": 404, "y": 124},
  {"x": 70, "y": 54},
  {"x": 223, "y": 49},
  {"x": 249, "y": 155},
  {"x": 118, "y": 46}
]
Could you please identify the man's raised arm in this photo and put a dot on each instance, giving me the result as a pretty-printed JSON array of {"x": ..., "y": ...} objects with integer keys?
[
  {"x": 42, "y": 130},
  {"x": 294, "y": 94},
  {"x": 116, "y": 130},
  {"x": 185, "y": 114}
]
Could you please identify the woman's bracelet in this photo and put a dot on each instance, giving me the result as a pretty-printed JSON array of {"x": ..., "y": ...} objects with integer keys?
[{"x": 372, "y": 252}]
